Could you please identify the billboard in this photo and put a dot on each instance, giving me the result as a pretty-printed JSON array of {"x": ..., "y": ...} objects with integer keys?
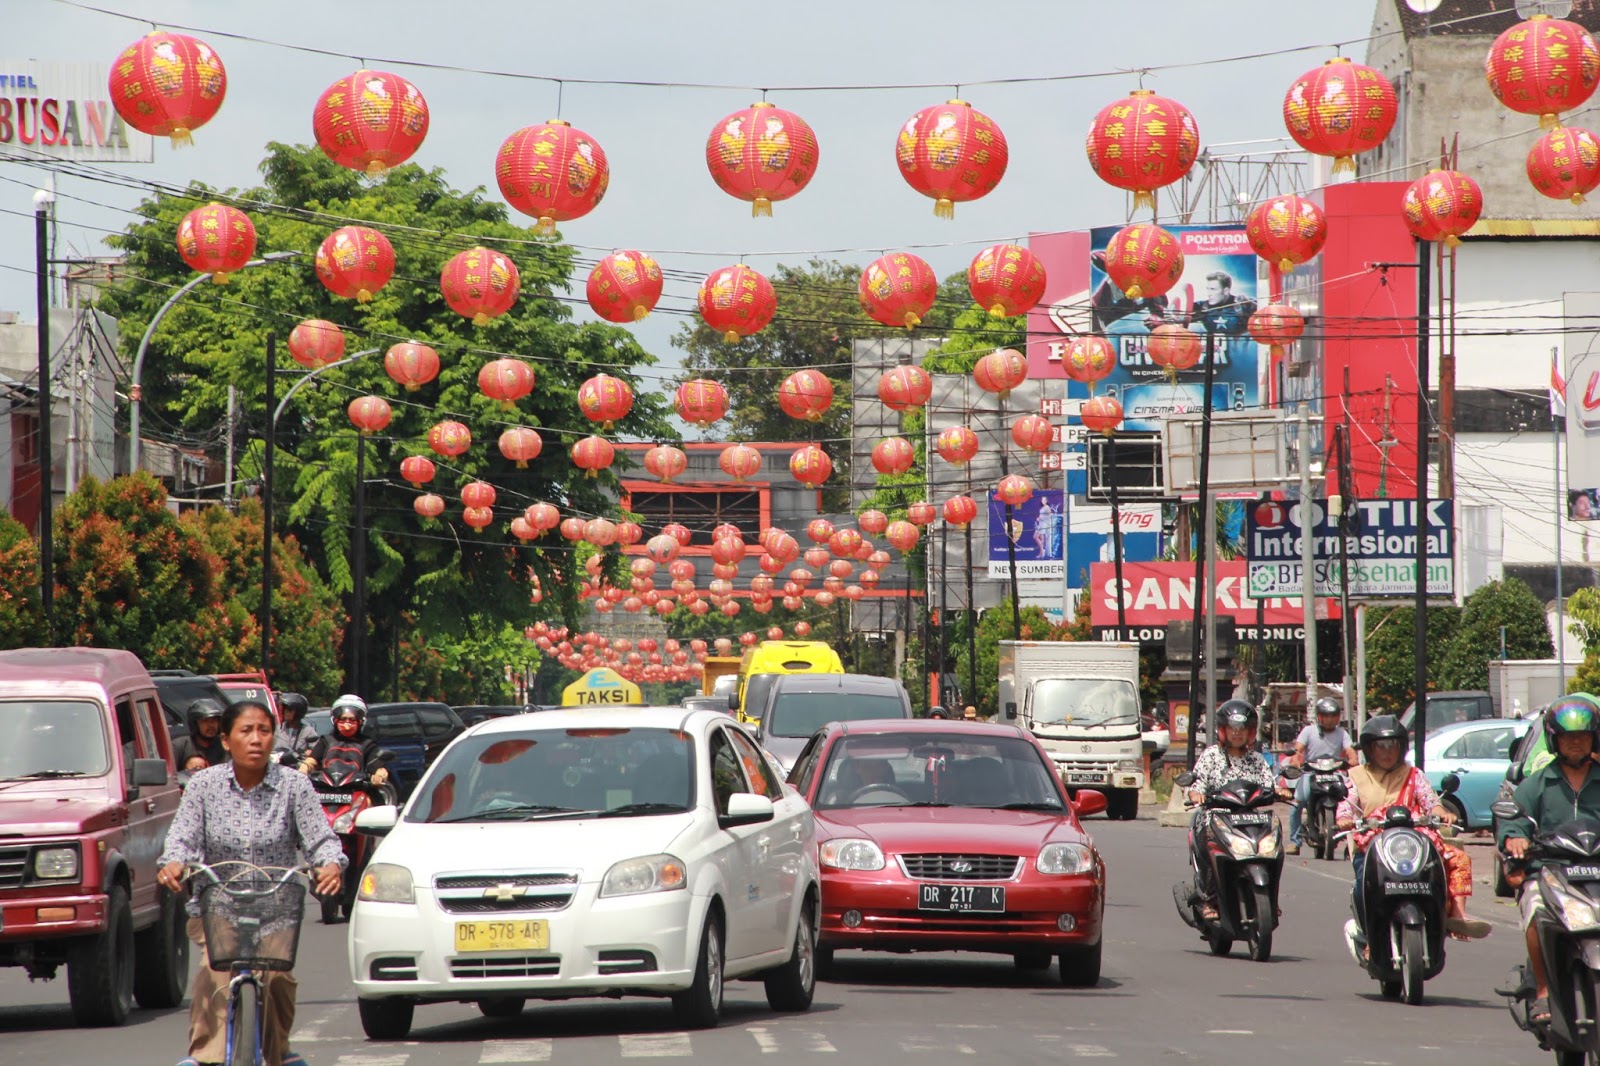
[
  {"x": 53, "y": 110},
  {"x": 1380, "y": 544},
  {"x": 1037, "y": 529},
  {"x": 1063, "y": 311},
  {"x": 1157, "y": 593},
  {"x": 1089, "y": 537}
]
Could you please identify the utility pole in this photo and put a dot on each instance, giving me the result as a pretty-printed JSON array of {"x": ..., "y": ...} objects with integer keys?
[
  {"x": 358, "y": 573},
  {"x": 227, "y": 475},
  {"x": 1424, "y": 420},
  {"x": 1308, "y": 540},
  {"x": 47, "y": 487},
  {"x": 266, "y": 505},
  {"x": 1197, "y": 706}
]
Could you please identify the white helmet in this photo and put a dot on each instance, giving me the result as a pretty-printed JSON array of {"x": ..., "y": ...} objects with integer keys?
[{"x": 349, "y": 704}]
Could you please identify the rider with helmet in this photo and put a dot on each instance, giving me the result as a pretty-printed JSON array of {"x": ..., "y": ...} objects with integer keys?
[
  {"x": 293, "y": 734},
  {"x": 1234, "y": 758},
  {"x": 1326, "y": 739},
  {"x": 203, "y": 746},
  {"x": 1565, "y": 790},
  {"x": 348, "y": 746}
]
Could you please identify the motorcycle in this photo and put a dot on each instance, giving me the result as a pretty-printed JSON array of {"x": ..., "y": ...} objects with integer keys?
[
  {"x": 1568, "y": 927},
  {"x": 1328, "y": 790},
  {"x": 344, "y": 795},
  {"x": 1242, "y": 841}
]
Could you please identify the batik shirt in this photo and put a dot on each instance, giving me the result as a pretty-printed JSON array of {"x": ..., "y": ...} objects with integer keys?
[{"x": 1215, "y": 766}]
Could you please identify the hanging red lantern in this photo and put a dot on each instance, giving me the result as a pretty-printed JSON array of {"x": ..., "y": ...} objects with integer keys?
[
  {"x": 370, "y": 414},
  {"x": 552, "y": 172},
  {"x": 355, "y": 262},
  {"x": 810, "y": 465},
  {"x": 893, "y": 455},
  {"x": 902, "y": 536},
  {"x": 1101, "y": 414},
  {"x": 761, "y": 154},
  {"x": 1564, "y": 164},
  {"x": 1142, "y": 143},
  {"x": 168, "y": 85},
  {"x": 951, "y": 154},
  {"x": 592, "y": 455},
  {"x": 959, "y": 511},
  {"x": 844, "y": 542},
  {"x": 479, "y": 518},
  {"x": 1278, "y": 325},
  {"x": 521, "y": 445},
  {"x": 1340, "y": 109},
  {"x": 600, "y": 532},
  {"x": 872, "y": 521},
  {"x": 449, "y": 439},
  {"x": 1143, "y": 260},
  {"x": 1174, "y": 347},
  {"x": 802, "y": 629},
  {"x": 740, "y": 461},
  {"x": 905, "y": 387},
  {"x": 411, "y": 364},
  {"x": 506, "y": 380},
  {"x": 1442, "y": 205},
  {"x": 370, "y": 121},
  {"x": 699, "y": 607},
  {"x": 806, "y": 395},
  {"x": 629, "y": 533},
  {"x": 663, "y": 549},
  {"x": 701, "y": 402},
  {"x": 678, "y": 532},
  {"x": 665, "y": 462},
  {"x": 761, "y": 585},
  {"x": 956, "y": 445},
  {"x": 315, "y": 343},
  {"x": 428, "y": 505},
  {"x": 897, "y": 289},
  {"x": 1287, "y": 230},
  {"x": 921, "y": 513},
  {"x": 1014, "y": 490},
  {"x": 817, "y": 557},
  {"x": 605, "y": 399},
  {"x": 870, "y": 579},
  {"x": 737, "y": 301},
  {"x": 543, "y": 517},
  {"x": 1033, "y": 433},
  {"x": 727, "y": 551},
  {"x": 731, "y": 608},
  {"x": 1006, "y": 280},
  {"x": 782, "y": 549},
  {"x": 727, "y": 529},
  {"x": 572, "y": 529},
  {"x": 480, "y": 284},
  {"x": 1001, "y": 371},
  {"x": 624, "y": 286},
  {"x": 477, "y": 494},
  {"x": 1542, "y": 67},
  {"x": 818, "y": 530},
  {"x": 417, "y": 470},
  {"x": 216, "y": 239},
  {"x": 1089, "y": 358},
  {"x": 823, "y": 599}
]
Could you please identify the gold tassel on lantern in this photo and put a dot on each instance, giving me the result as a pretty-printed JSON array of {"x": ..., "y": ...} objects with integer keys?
[
  {"x": 760, "y": 206},
  {"x": 1577, "y": 197},
  {"x": 943, "y": 208},
  {"x": 639, "y": 312},
  {"x": 220, "y": 278},
  {"x": 1134, "y": 292},
  {"x": 731, "y": 337},
  {"x": 1451, "y": 240},
  {"x": 181, "y": 138},
  {"x": 546, "y": 226},
  {"x": 1286, "y": 265},
  {"x": 1549, "y": 120},
  {"x": 1344, "y": 164},
  {"x": 1144, "y": 198},
  {"x": 376, "y": 167},
  {"x": 364, "y": 296},
  {"x": 997, "y": 311},
  {"x": 912, "y": 321},
  {"x": 480, "y": 319}
]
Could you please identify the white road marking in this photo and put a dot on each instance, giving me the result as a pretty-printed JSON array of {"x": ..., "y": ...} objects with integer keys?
[
  {"x": 1091, "y": 1051},
  {"x": 656, "y": 1046},
  {"x": 313, "y": 1032},
  {"x": 764, "y": 1040},
  {"x": 808, "y": 1040},
  {"x": 1230, "y": 1032},
  {"x": 913, "y": 1044},
  {"x": 508, "y": 1051},
  {"x": 1346, "y": 881},
  {"x": 373, "y": 1060}
]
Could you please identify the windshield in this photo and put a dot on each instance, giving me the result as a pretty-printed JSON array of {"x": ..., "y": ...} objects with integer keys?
[
  {"x": 57, "y": 739},
  {"x": 800, "y": 714},
  {"x": 937, "y": 769},
  {"x": 545, "y": 773},
  {"x": 756, "y": 687},
  {"x": 1079, "y": 701},
  {"x": 1444, "y": 711}
]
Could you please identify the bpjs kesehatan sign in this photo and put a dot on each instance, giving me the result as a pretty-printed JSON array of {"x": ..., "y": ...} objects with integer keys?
[
  {"x": 1380, "y": 548},
  {"x": 54, "y": 110}
]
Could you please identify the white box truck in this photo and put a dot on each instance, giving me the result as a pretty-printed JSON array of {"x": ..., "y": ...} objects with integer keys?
[
  {"x": 1519, "y": 687},
  {"x": 1081, "y": 700}
]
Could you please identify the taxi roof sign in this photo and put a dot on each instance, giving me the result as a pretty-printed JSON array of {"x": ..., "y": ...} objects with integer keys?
[{"x": 602, "y": 687}]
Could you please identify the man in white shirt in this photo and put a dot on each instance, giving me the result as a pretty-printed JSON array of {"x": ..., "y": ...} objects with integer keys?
[{"x": 1325, "y": 740}]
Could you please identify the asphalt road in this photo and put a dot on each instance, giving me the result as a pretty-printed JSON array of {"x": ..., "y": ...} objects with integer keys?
[{"x": 1162, "y": 998}]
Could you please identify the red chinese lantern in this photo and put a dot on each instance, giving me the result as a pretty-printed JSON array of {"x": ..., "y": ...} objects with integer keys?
[
  {"x": 663, "y": 549},
  {"x": 737, "y": 301},
  {"x": 1142, "y": 143},
  {"x": 873, "y": 521},
  {"x": 727, "y": 551},
  {"x": 1442, "y": 205},
  {"x": 449, "y": 439},
  {"x": 1088, "y": 358},
  {"x": 605, "y": 399},
  {"x": 521, "y": 445},
  {"x": 477, "y": 494},
  {"x": 1101, "y": 414},
  {"x": 428, "y": 505},
  {"x": 411, "y": 364},
  {"x": 782, "y": 549},
  {"x": 956, "y": 444},
  {"x": 870, "y": 579},
  {"x": 592, "y": 455},
  {"x": 678, "y": 532},
  {"x": 1001, "y": 371},
  {"x": 1542, "y": 67},
  {"x": 1014, "y": 490},
  {"x": 1278, "y": 325},
  {"x": 624, "y": 286},
  {"x": 552, "y": 172},
  {"x": 818, "y": 530},
  {"x": 905, "y": 387},
  {"x": 1143, "y": 260},
  {"x": 897, "y": 289},
  {"x": 1564, "y": 164},
  {"x": 880, "y": 560},
  {"x": 844, "y": 543},
  {"x": 699, "y": 607},
  {"x": 480, "y": 284},
  {"x": 921, "y": 513},
  {"x": 893, "y": 455},
  {"x": 600, "y": 532},
  {"x": 665, "y": 462},
  {"x": 740, "y": 461},
  {"x": 542, "y": 516},
  {"x": 629, "y": 533},
  {"x": 761, "y": 154},
  {"x": 506, "y": 380},
  {"x": 1287, "y": 230},
  {"x": 731, "y": 608},
  {"x": 951, "y": 154},
  {"x": 959, "y": 511},
  {"x": 572, "y": 529},
  {"x": 701, "y": 402},
  {"x": 1033, "y": 433},
  {"x": 1006, "y": 280},
  {"x": 370, "y": 414},
  {"x": 823, "y": 599},
  {"x": 168, "y": 85},
  {"x": 216, "y": 239},
  {"x": 315, "y": 343},
  {"x": 902, "y": 536},
  {"x": 355, "y": 262},
  {"x": 810, "y": 465},
  {"x": 479, "y": 518},
  {"x": 806, "y": 395},
  {"x": 370, "y": 121},
  {"x": 1174, "y": 347},
  {"x": 417, "y": 470},
  {"x": 522, "y": 529},
  {"x": 802, "y": 629},
  {"x": 1340, "y": 109}
]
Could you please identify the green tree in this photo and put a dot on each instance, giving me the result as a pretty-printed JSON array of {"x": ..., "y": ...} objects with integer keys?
[
  {"x": 21, "y": 620},
  {"x": 1583, "y": 617},
  {"x": 1507, "y": 607},
  {"x": 994, "y": 625},
  {"x": 1391, "y": 654}
]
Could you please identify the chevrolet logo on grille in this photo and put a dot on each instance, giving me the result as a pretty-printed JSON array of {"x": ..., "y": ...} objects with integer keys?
[
  {"x": 961, "y": 866},
  {"x": 505, "y": 892}
]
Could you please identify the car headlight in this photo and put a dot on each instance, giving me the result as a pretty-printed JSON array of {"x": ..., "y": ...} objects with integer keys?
[
  {"x": 1064, "y": 859},
  {"x": 1578, "y": 912},
  {"x": 851, "y": 853},
  {"x": 649, "y": 873},
  {"x": 345, "y": 822},
  {"x": 1403, "y": 851},
  {"x": 386, "y": 883},
  {"x": 56, "y": 864}
]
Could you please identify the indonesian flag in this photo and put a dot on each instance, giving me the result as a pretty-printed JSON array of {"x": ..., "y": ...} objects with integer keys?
[{"x": 1558, "y": 387}]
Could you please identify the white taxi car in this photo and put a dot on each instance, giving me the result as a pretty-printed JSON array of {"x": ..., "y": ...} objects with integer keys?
[{"x": 636, "y": 851}]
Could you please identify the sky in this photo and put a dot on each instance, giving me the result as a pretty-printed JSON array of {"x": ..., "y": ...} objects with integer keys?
[{"x": 661, "y": 199}]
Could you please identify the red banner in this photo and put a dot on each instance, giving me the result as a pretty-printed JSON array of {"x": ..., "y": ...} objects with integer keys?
[{"x": 1155, "y": 594}]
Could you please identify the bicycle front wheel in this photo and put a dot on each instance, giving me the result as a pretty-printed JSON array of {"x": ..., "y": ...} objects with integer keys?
[{"x": 244, "y": 1025}]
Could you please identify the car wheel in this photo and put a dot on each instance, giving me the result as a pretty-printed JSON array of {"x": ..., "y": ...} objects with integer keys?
[
  {"x": 1080, "y": 966},
  {"x": 700, "y": 1005},
  {"x": 501, "y": 1006},
  {"x": 1122, "y": 804},
  {"x": 791, "y": 986},
  {"x": 1032, "y": 960},
  {"x": 161, "y": 958},
  {"x": 100, "y": 968},
  {"x": 386, "y": 1018}
]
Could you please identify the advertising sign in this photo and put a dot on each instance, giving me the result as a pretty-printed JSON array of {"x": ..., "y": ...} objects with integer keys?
[
  {"x": 1578, "y": 393},
  {"x": 601, "y": 686},
  {"x": 1155, "y": 594},
  {"x": 1037, "y": 529},
  {"x": 1089, "y": 537},
  {"x": 1063, "y": 311},
  {"x": 63, "y": 111},
  {"x": 1380, "y": 545}
]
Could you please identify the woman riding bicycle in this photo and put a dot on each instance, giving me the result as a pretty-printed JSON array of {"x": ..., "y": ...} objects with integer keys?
[{"x": 254, "y": 811}]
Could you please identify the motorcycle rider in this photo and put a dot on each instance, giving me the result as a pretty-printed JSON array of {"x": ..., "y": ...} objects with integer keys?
[
  {"x": 1325, "y": 740},
  {"x": 293, "y": 734},
  {"x": 348, "y": 746},
  {"x": 1235, "y": 758},
  {"x": 203, "y": 746},
  {"x": 1562, "y": 791}
]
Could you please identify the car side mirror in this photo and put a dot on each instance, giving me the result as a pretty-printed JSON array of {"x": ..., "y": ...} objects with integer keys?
[
  {"x": 1088, "y": 802},
  {"x": 377, "y": 821},
  {"x": 151, "y": 772},
  {"x": 1450, "y": 784},
  {"x": 1011, "y": 711},
  {"x": 386, "y": 756},
  {"x": 733, "y": 701},
  {"x": 746, "y": 808}
]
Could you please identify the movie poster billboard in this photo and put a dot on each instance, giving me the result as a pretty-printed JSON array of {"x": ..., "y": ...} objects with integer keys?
[{"x": 1037, "y": 530}]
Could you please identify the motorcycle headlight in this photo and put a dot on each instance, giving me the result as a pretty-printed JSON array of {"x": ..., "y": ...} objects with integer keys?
[
  {"x": 1242, "y": 847},
  {"x": 650, "y": 873},
  {"x": 1402, "y": 851},
  {"x": 1579, "y": 913},
  {"x": 345, "y": 822},
  {"x": 384, "y": 882},
  {"x": 55, "y": 864},
  {"x": 1064, "y": 859},
  {"x": 851, "y": 853},
  {"x": 1269, "y": 844}
]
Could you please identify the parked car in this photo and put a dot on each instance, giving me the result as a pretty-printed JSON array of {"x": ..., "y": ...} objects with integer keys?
[
  {"x": 416, "y": 733},
  {"x": 321, "y": 720},
  {"x": 86, "y": 797},
  {"x": 594, "y": 852},
  {"x": 472, "y": 714},
  {"x": 797, "y": 705},
  {"x": 1447, "y": 707},
  {"x": 180, "y": 691},
  {"x": 251, "y": 685},
  {"x": 1000, "y": 864},
  {"x": 1479, "y": 754},
  {"x": 706, "y": 703}
]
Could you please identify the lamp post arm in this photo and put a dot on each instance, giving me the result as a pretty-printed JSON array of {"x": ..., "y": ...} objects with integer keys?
[{"x": 307, "y": 378}]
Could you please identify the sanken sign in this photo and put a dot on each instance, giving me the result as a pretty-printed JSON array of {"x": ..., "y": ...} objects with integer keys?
[
  {"x": 1155, "y": 594},
  {"x": 1379, "y": 545}
]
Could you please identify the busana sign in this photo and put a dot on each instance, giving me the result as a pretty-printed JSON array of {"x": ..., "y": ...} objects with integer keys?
[{"x": 63, "y": 111}]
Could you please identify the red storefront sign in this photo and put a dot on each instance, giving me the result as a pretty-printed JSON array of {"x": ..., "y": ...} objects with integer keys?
[{"x": 1156, "y": 594}]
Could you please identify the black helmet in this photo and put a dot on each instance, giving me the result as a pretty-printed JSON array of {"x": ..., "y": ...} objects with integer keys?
[
  {"x": 204, "y": 708},
  {"x": 1385, "y": 727},
  {"x": 1236, "y": 713},
  {"x": 293, "y": 701},
  {"x": 1327, "y": 705},
  {"x": 1577, "y": 713},
  {"x": 937, "y": 712}
]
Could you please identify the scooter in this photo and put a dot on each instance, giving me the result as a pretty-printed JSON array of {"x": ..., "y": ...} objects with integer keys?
[
  {"x": 1328, "y": 790},
  {"x": 1403, "y": 893},
  {"x": 1242, "y": 841},
  {"x": 1568, "y": 928},
  {"x": 344, "y": 795}
]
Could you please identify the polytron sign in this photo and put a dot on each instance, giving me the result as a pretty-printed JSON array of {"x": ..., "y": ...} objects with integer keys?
[
  {"x": 1380, "y": 545},
  {"x": 601, "y": 686},
  {"x": 52, "y": 110}
]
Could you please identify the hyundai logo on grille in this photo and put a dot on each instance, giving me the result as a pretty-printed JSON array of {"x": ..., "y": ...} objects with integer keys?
[{"x": 961, "y": 866}]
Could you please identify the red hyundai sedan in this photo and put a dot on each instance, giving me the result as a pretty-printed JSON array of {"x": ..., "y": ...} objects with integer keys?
[{"x": 952, "y": 836}]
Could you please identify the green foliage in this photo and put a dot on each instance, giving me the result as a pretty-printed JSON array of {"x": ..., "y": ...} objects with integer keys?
[
  {"x": 1509, "y": 605},
  {"x": 1587, "y": 677},
  {"x": 21, "y": 620},
  {"x": 477, "y": 663},
  {"x": 1391, "y": 658},
  {"x": 994, "y": 625},
  {"x": 1583, "y": 618}
]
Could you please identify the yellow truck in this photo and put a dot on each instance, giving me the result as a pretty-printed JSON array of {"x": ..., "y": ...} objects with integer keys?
[{"x": 717, "y": 667}]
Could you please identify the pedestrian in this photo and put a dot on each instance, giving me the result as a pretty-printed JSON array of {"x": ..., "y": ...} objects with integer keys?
[
  {"x": 970, "y": 714},
  {"x": 937, "y": 712}
]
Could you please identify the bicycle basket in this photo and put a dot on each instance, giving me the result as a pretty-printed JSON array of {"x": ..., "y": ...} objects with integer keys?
[{"x": 252, "y": 923}]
